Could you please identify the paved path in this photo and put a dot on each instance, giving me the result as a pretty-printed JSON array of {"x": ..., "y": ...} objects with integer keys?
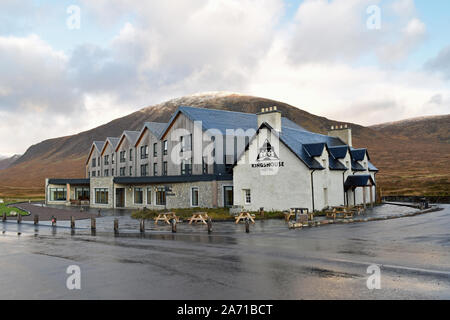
[{"x": 46, "y": 213}]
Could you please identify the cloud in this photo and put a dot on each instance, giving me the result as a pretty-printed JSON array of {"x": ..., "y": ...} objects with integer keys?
[{"x": 441, "y": 63}]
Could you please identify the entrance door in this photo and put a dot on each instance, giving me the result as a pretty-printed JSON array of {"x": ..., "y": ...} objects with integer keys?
[
  {"x": 228, "y": 196},
  {"x": 120, "y": 197}
]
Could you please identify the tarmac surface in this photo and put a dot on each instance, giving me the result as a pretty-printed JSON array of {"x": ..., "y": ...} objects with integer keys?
[{"x": 270, "y": 262}]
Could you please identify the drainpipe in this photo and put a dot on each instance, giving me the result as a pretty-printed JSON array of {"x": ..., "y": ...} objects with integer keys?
[
  {"x": 312, "y": 189},
  {"x": 343, "y": 184}
]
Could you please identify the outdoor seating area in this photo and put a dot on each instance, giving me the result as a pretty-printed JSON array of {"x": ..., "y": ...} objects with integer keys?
[
  {"x": 199, "y": 217},
  {"x": 244, "y": 215},
  {"x": 344, "y": 212},
  {"x": 166, "y": 217}
]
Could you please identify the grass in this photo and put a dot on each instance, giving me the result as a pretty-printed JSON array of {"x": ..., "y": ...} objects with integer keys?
[
  {"x": 5, "y": 209},
  {"x": 214, "y": 213}
]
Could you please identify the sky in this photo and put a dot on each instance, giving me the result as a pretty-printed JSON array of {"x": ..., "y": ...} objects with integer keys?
[{"x": 69, "y": 66}]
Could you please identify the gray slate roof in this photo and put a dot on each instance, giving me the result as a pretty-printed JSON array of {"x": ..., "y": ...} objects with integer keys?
[
  {"x": 131, "y": 135},
  {"x": 157, "y": 128},
  {"x": 99, "y": 145}
]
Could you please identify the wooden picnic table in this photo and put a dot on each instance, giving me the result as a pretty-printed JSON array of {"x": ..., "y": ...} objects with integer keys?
[
  {"x": 292, "y": 212},
  {"x": 199, "y": 217},
  {"x": 339, "y": 210},
  {"x": 244, "y": 215},
  {"x": 166, "y": 217}
]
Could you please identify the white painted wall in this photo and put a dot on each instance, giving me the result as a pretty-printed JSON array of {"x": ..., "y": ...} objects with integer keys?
[{"x": 289, "y": 187}]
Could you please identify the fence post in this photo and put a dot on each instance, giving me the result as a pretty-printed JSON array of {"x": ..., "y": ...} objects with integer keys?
[
  {"x": 209, "y": 225},
  {"x": 116, "y": 225},
  {"x": 36, "y": 219},
  {"x": 247, "y": 225}
]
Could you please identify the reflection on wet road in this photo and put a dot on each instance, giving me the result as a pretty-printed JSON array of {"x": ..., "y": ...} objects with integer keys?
[{"x": 271, "y": 262}]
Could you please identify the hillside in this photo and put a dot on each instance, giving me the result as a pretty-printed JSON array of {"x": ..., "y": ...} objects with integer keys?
[
  {"x": 400, "y": 157},
  {"x": 6, "y": 162}
]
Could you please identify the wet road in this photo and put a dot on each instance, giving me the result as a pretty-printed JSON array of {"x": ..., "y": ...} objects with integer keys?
[{"x": 271, "y": 262}]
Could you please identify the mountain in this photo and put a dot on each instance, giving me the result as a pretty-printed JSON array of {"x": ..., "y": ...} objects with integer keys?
[
  {"x": 6, "y": 162},
  {"x": 399, "y": 157}
]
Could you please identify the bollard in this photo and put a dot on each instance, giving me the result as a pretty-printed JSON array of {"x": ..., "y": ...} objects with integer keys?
[
  {"x": 53, "y": 221},
  {"x": 116, "y": 225},
  {"x": 19, "y": 218},
  {"x": 72, "y": 222},
  {"x": 173, "y": 222},
  {"x": 36, "y": 219},
  {"x": 142, "y": 226},
  {"x": 93, "y": 224},
  {"x": 209, "y": 225},
  {"x": 247, "y": 225},
  {"x": 4, "y": 217}
]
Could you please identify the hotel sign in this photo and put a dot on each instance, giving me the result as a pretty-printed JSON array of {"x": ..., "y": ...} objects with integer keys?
[{"x": 267, "y": 161}]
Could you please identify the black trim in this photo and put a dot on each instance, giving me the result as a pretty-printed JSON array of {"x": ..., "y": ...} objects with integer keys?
[
  {"x": 69, "y": 181},
  {"x": 172, "y": 179}
]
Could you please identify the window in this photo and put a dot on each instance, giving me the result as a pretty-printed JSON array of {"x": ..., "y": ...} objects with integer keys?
[
  {"x": 155, "y": 149},
  {"x": 112, "y": 158},
  {"x": 94, "y": 162},
  {"x": 160, "y": 197},
  {"x": 194, "y": 197},
  {"x": 93, "y": 173},
  {"x": 106, "y": 172},
  {"x": 122, "y": 171},
  {"x": 131, "y": 171},
  {"x": 165, "y": 148},
  {"x": 186, "y": 167},
  {"x": 131, "y": 154},
  {"x": 149, "y": 195},
  {"x": 144, "y": 152},
  {"x": 101, "y": 196},
  {"x": 82, "y": 193},
  {"x": 347, "y": 164},
  {"x": 186, "y": 143},
  {"x": 98, "y": 161},
  {"x": 98, "y": 173},
  {"x": 106, "y": 159},
  {"x": 138, "y": 196},
  {"x": 123, "y": 156},
  {"x": 112, "y": 172},
  {"x": 155, "y": 169},
  {"x": 58, "y": 194},
  {"x": 247, "y": 196},
  {"x": 144, "y": 170},
  {"x": 164, "y": 168},
  {"x": 204, "y": 166}
]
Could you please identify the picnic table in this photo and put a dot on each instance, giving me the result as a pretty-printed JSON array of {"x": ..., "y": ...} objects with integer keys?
[
  {"x": 243, "y": 216},
  {"x": 293, "y": 211},
  {"x": 166, "y": 217},
  {"x": 199, "y": 217},
  {"x": 339, "y": 210}
]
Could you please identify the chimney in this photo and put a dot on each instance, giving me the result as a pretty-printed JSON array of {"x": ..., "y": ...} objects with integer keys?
[
  {"x": 271, "y": 116},
  {"x": 343, "y": 132}
]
